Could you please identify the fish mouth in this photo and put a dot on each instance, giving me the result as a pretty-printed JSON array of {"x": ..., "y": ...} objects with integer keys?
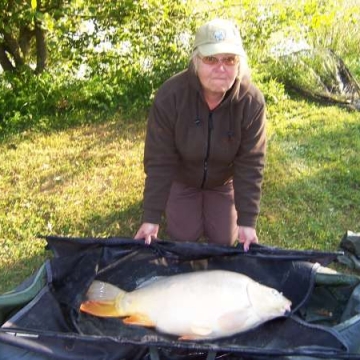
[{"x": 287, "y": 309}]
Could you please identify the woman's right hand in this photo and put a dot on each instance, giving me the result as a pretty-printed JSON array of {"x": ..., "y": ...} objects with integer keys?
[{"x": 147, "y": 231}]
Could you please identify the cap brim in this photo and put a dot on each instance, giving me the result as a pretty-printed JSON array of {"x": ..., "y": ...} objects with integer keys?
[{"x": 221, "y": 48}]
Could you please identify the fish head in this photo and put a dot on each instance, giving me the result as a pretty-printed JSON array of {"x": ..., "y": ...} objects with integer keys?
[{"x": 267, "y": 302}]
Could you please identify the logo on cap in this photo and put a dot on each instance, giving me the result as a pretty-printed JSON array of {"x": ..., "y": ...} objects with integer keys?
[{"x": 219, "y": 35}]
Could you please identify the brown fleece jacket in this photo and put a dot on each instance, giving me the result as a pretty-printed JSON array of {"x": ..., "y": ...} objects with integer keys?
[{"x": 187, "y": 142}]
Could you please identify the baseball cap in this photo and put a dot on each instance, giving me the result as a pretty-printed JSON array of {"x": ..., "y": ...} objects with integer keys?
[{"x": 219, "y": 36}]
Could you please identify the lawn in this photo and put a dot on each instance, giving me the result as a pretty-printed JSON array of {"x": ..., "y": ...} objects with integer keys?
[{"x": 88, "y": 181}]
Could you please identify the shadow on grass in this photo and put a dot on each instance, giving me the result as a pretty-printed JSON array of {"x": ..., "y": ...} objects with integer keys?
[
  {"x": 14, "y": 274},
  {"x": 95, "y": 147},
  {"x": 82, "y": 169},
  {"x": 117, "y": 223}
]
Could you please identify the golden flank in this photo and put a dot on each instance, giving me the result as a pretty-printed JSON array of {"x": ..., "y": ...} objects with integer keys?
[{"x": 194, "y": 306}]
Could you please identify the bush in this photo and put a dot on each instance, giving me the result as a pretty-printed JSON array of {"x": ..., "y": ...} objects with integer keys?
[
  {"x": 25, "y": 99},
  {"x": 147, "y": 41}
]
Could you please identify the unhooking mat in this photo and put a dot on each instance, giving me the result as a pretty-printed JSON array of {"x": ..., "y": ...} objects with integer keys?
[{"x": 41, "y": 318}]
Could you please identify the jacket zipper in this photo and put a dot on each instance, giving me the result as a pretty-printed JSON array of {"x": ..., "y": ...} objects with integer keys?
[{"x": 210, "y": 128}]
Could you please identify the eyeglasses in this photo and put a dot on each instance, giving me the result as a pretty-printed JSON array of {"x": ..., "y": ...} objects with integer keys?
[{"x": 213, "y": 60}]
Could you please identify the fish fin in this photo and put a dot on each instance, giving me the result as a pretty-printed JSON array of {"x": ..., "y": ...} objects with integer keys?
[
  {"x": 199, "y": 330},
  {"x": 100, "y": 308},
  {"x": 102, "y": 299},
  {"x": 139, "y": 319},
  {"x": 103, "y": 291},
  {"x": 237, "y": 320},
  {"x": 189, "y": 337},
  {"x": 149, "y": 281}
]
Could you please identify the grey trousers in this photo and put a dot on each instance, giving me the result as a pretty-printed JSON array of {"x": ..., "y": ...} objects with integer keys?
[{"x": 192, "y": 213}]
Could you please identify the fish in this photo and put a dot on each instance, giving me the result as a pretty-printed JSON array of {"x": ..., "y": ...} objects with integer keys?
[{"x": 206, "y": 304}]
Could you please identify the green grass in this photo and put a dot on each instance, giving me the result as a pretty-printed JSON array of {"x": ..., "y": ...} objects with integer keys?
[
  {"x": 311, "y": 188},
  {"x": 88, "y": 181}
]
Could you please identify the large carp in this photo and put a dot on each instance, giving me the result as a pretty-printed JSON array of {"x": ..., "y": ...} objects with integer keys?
[{"x": 197, "y": 305}]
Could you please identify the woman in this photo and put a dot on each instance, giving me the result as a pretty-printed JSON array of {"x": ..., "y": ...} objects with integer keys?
[{"x": 205, "y": 146}]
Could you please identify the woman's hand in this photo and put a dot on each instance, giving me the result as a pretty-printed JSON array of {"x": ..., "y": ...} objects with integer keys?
[
  {"x": 247, "y": 236},
  {"x": 147, "y": 231}
]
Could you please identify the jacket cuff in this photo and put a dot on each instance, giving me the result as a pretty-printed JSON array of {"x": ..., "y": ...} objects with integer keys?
[
  {"x": 152, "y": 216},
  {"x": 247, "y": 220}
]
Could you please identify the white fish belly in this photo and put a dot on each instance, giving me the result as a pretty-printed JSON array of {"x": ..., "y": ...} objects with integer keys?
[{"x": 205, "y": 304}]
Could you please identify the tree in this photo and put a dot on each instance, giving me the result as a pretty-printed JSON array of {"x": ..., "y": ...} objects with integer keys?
[
  {"x": 127, "y": 48},
  {"x": 21, "y": 24},
  {"x": 30, "y": 30}
]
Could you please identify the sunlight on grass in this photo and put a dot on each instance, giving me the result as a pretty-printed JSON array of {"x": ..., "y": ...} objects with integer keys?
[
  {"x": 88, "y": 181},
  {"x": 311, "y": 181},
  {"x": 81, "y": 182}
]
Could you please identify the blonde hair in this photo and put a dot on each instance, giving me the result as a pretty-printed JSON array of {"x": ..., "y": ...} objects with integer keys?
[{"x": 243, "y": 67}]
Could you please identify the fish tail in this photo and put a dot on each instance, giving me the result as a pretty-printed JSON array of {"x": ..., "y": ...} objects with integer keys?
[{"x": 103, "y": 299}]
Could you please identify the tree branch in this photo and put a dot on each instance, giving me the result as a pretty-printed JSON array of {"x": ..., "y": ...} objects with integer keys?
[
  {"x": 41, "y": 50},
  {"x": 25, "y": 36},
  {"x": 4, "y": 59},
  {"x": 13, "y": 48}
]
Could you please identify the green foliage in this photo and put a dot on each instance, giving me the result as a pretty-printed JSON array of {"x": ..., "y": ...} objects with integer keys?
[
  {"x": 150, "y": 45},
  {"x": 334, "y": 26},
  {"x": 318, "y": 74},
  {"x": 129, "y": 48},
  {"x": 24, "y": 100},
  {"x": 48, "y": 102},
  {"x": 277, "y": 33}
]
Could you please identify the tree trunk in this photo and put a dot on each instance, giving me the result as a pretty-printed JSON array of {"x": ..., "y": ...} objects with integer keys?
[
  {"x": 4, "y": 59},
  {"x": 41, "y": 50},
  {"x": 26, "y": 34},
  {"x": 12, "y": 46}
]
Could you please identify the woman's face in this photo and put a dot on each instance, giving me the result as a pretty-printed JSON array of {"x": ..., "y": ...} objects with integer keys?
[{"x": 217, "y": 73}]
